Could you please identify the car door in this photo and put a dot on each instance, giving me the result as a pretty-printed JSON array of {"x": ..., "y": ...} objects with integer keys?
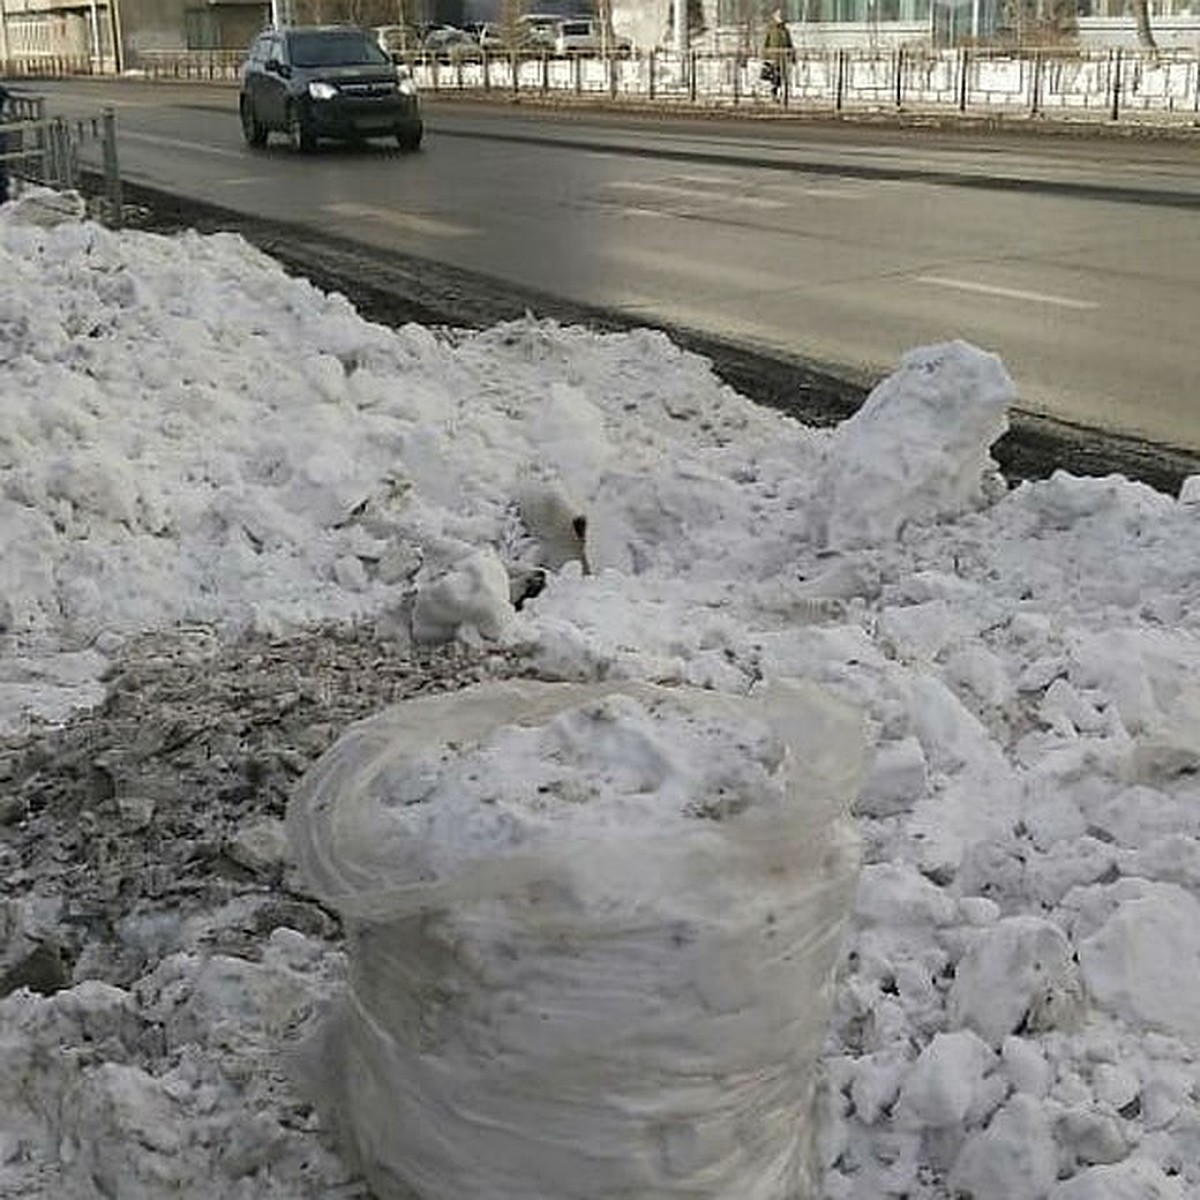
[
  {"x": 252, "y": 72},
  {"x": 271, "y": 102}
]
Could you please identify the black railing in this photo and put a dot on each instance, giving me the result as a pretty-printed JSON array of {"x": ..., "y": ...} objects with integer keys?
[
  {"x": 44, "y": 150},
  {"x": 1156, "y": 86}
]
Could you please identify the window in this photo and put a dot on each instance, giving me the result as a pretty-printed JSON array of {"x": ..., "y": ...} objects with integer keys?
[
  {"x": 334, "y": 49},
  {"x": 201, "y": 30}
]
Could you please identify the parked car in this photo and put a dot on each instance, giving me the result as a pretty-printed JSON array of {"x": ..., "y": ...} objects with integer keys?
[
  {"x": 576, "y": 36},
  {"x": 539, "y": 29},
  {"x": 493, "y": 39},
  {"x": 399, "y": 39},
  {"x": 326, "y": 81},
  {"x": 448, "y": 43}
]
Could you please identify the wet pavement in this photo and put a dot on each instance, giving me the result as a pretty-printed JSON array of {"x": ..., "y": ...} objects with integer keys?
[{"x": 394, "y": 289}]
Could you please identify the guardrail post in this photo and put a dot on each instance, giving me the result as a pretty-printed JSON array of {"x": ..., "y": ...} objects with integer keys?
[
  {"x": 514, "y": 65},
  {"x": 737, "y": 79},
  {"x": 1115, "y": 111},
  {"x": 114, "y": 200},
  {"x": 578, "y": 74},
  {"x": 899, "y": 77},
  {"x": 1035, "y": 86},
  {"x": 964, "y": 70},
  {"x": 60, "y": 172},
  {"x": 545, "y": 73},
  {"x": 651, "y": 59},
  {"x": 691, "y": 60},
  {"x": 839, "y": 82}
]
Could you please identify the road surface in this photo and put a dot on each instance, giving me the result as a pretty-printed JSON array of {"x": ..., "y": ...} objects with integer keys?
[{"x": 1074, "y": 258}]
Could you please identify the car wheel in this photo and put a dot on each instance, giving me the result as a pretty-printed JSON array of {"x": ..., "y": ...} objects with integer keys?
[
  {"x": 410, "y": 138},
  {"x": 253, "y": 130},
  {"x": 302, "y": 138}
]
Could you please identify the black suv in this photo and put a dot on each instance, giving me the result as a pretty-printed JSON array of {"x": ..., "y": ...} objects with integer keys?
[{"x": 330, "y": 81}]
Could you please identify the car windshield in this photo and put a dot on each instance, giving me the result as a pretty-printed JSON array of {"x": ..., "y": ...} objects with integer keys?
[
  {"x": 576, "y": 28},
  {"x": 335, "y": 49}
]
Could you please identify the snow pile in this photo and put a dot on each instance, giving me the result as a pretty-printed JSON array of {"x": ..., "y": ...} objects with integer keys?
[
  {"x": 174, "y": 1087},
  {"x": 187, "y": 435}
]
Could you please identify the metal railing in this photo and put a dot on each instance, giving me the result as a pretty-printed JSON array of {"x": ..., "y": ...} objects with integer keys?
[
  {"x": 47, "y": 66},
  {"x": 201, "y": 65},
  {"x": 44, "y": 150},
  {"x": 1108, "y": 84},
  {"x": 1156, "y": 86}
]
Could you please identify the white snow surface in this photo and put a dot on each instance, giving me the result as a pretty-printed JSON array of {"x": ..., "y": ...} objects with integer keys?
[{"x": 188, "y": 435}]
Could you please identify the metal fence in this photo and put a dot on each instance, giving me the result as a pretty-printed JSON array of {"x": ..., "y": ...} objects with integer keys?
[
  {"x": 46, "y": 66},
  {"x": 1107, "y": 84},
  {"x": 200, "y": 65},
  {"x": 44, "y": 150},
  {"x": 1155, "y": 86}
]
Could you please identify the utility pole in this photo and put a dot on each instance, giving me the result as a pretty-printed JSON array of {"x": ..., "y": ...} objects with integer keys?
[
  {"x": 3, "y": 37},
  {"x": 93, "y": 36},
  {"x": 118, "y": 35}
]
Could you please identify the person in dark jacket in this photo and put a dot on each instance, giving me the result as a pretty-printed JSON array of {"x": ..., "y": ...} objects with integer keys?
[{"x": 777, "y": 52}]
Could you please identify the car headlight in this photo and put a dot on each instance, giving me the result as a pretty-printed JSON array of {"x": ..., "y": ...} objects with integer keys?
[
  {"x": 320, "y": 90},
  {"x": 406, "y": 86}
]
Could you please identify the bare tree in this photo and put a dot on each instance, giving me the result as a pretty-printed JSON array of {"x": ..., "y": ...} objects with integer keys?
[
  {"x": 748, "y": 21},
  {"x": 604, "y": 10},
  {"x": 694, "y": 15},
  {"x": 511, "y": 30},
  {"x": 1141, "y": 15}
]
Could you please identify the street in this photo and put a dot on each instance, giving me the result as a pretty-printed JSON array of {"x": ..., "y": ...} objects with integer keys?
[{"x": 1073, "y": 258}]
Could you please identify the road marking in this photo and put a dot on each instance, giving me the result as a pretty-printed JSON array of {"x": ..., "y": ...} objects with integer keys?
[
  {"x": 412, "y": 222},
  {"x": 708, "y": 180},
  {"x": 824, "y": 192},
  {"x": 179, "y": 144},
  {"x": 987, "y": 289},
  {"x": 669, "y": 189},
  {"x": 682, "y": 267},
  {"x": 627, "y": 210}
]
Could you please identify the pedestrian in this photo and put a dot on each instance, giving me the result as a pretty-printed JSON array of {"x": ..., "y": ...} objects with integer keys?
[
  {"x": 3, "y": 145},
  {"x": 777, "y": 52}
]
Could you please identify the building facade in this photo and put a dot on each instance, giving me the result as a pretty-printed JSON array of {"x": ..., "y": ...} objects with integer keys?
[{"x": 111, "y": 35}]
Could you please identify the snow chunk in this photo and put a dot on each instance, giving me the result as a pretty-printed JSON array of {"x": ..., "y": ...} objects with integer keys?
[
  {"x": 918, "y": 448},
  {"x": 1014, "y": 1156},
  {"x": 899, "y": 777},
  {"x": 942, "y": 1085},
  {"x": 1019, "y": 974},
  {"x": 1134, "y": 1179},
  {"x": 472, "y": 596},
  {"x": 1142, "y": 963}
]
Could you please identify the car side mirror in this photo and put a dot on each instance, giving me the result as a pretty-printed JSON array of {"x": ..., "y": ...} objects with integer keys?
[{"x": 276, "y": 67}]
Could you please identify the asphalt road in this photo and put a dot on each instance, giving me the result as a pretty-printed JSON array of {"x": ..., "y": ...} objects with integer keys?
[{"x": 1075, "y": 258}]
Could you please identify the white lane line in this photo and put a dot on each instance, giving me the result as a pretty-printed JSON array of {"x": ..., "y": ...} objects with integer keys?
[
  {"x": 708, "y": 180},
  {"x": 180, "y": 144},
  {"x": 987, "y": 289},
  {"x": 683, "y": 268},
  {"x": 721, "y": 183},
  {"x": 691, "y": 193},
  {"x": 412, "y": 222},
  {"x": 825, "y": 192}
]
